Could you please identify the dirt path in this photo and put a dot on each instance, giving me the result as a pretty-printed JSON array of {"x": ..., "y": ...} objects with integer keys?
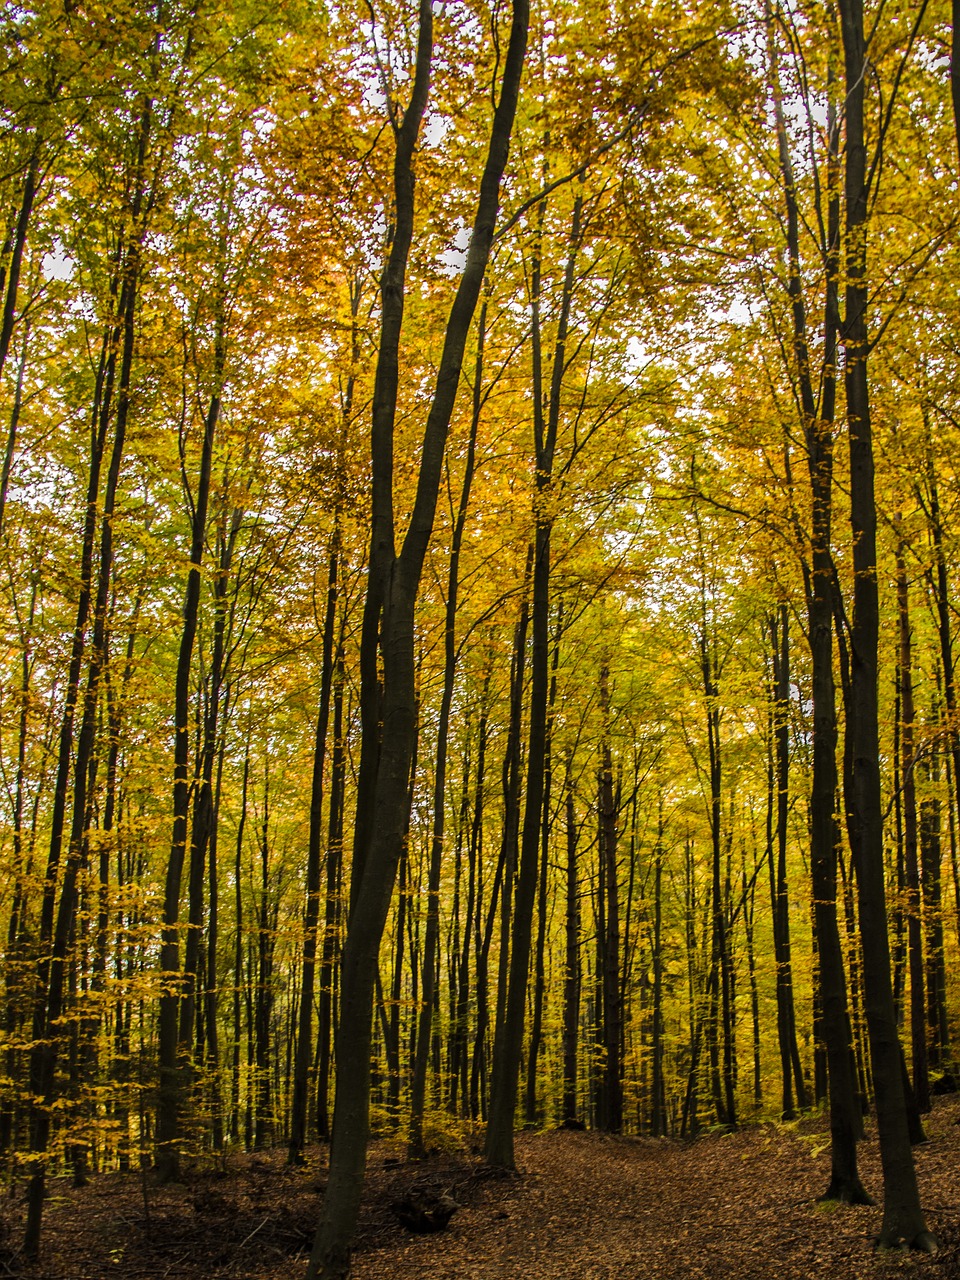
[
  {"x": 585, "y": 1207},
  {"x": 595, "y": 1208}
]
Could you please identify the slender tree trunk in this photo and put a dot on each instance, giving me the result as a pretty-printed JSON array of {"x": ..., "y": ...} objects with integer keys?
[
  {"x": 902, "y": 1215},
  {"x": 939, "y": 582},
  {"x": 915, "y": 950},
  {"x": 238, "y": 983},
  {"x": 14, "y": 424},
  {"x": 304, "y": 1052},
  {"x": 55, "y": 936},
  {"x": 571, "y": 983},
  {"x": 389, "y": 623},
  {"x": 658, "y": 1098},
  {"x": 533, "y": 1111},
  {"x": 930, "y": 861},
  {"x": 612, "y": 1116},
  {"x": 955, "y": 68},
  {"x": 846, "y": 1122},
  {"x": 508, "y": 1048},
  {"x": 14, "y": 264},
  {"x": 334, "y": 892},
  {"x": 415, "y": 1147},
  {"x": 721, "y": 964},
  {"x": 460, "y": 1065},
  {"x": 175, "y": 1035},
  {"x": 791, "y": 1071},
  {"x": 512, "y": 775}
]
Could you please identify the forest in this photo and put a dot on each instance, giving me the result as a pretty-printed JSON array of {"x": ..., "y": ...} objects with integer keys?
[{"x": 479, "y": 532}]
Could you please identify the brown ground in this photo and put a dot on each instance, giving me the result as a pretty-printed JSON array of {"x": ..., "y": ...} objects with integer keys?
[{"x": 585, "y": 1207}]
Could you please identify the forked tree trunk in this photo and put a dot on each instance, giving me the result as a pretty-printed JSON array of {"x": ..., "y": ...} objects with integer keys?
[{"x": 388, "y": 627}]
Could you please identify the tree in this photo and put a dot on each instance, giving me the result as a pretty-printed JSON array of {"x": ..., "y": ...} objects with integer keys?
[
  {"x": 388, "y": 627},
  {"x": 902, "y": 1216}
]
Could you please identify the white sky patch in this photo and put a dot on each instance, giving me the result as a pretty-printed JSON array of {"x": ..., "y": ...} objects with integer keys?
[
  {"x": 58, "y": 265},
  {"x": 454, "y": 259}
]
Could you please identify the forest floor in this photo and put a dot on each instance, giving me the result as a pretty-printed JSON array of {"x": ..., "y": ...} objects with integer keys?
[{"x": 584, "y": 1206}]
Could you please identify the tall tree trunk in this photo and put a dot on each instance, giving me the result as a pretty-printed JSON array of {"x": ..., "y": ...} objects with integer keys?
[
  {"x": 512, "y": 776},
  {"x": 721, "y": 961},
  {"x": 571, "y": 981},
  {"x": 612, "y": 1116},
  {"x": 846, "y": 1123},
  {"x": 330, "y": 949},
  {"x": 428, "y": 994},
  {"x": 911, "y": 841},
  {"x": 55, "y": 936},
  {"x": 311, "y": 918},
  {"x": 939, "y": 583},
  {"x": 177, "y": 1003},
  {"x": 388, "y": 627},
  {"x": 508, "y": 1049},
  {"x": 902, "y": 1215},
  {"x": 658, "y": 1098},
  {"x": 238, "y": 984},
  {"x": 533, "y": 1110},
  {"x": 13, "y": 265},
  {"x": 790, "y": 1069}
]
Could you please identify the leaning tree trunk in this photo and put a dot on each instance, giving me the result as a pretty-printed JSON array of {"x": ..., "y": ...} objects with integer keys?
[
  {"x": 389, "y": 617},
  {"x": 903, "y": 1219}
]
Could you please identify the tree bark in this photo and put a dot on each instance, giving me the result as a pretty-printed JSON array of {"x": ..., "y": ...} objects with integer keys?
[
  {"x": 903, "y": 1219},
  {"x": 911, "y": 843},
  {"x": 846, "y": 1123},
  {"x": 304, "y": 1051},
  {"x": 612, "y": 1115},
  {"x": 508, "y": 1050},
  {"x": 390, "y": 609},
  {"x": 415, "y": 1147}
]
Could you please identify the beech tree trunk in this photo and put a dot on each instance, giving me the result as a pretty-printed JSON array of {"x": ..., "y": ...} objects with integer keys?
[
  {"x": 790, "y": 1070},
  {"x": 903, "y": 1219},
  {"x": 173, "y": 1046},
  {"x": 508, "y": 1049},
  {"x": 304, "y": 1051},
  {"x": 611, "y": 1118},
  {"x": 415, "y": 1147},
  {"x": 571, "y": 981},
  {"x": 846, "y": 1121},
  {"x": 911, "y": 846},
  {"x": 388, "y": 627}
]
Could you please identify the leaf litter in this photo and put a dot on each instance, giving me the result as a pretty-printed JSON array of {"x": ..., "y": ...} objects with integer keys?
[{"x": 583, "y": 1206}]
